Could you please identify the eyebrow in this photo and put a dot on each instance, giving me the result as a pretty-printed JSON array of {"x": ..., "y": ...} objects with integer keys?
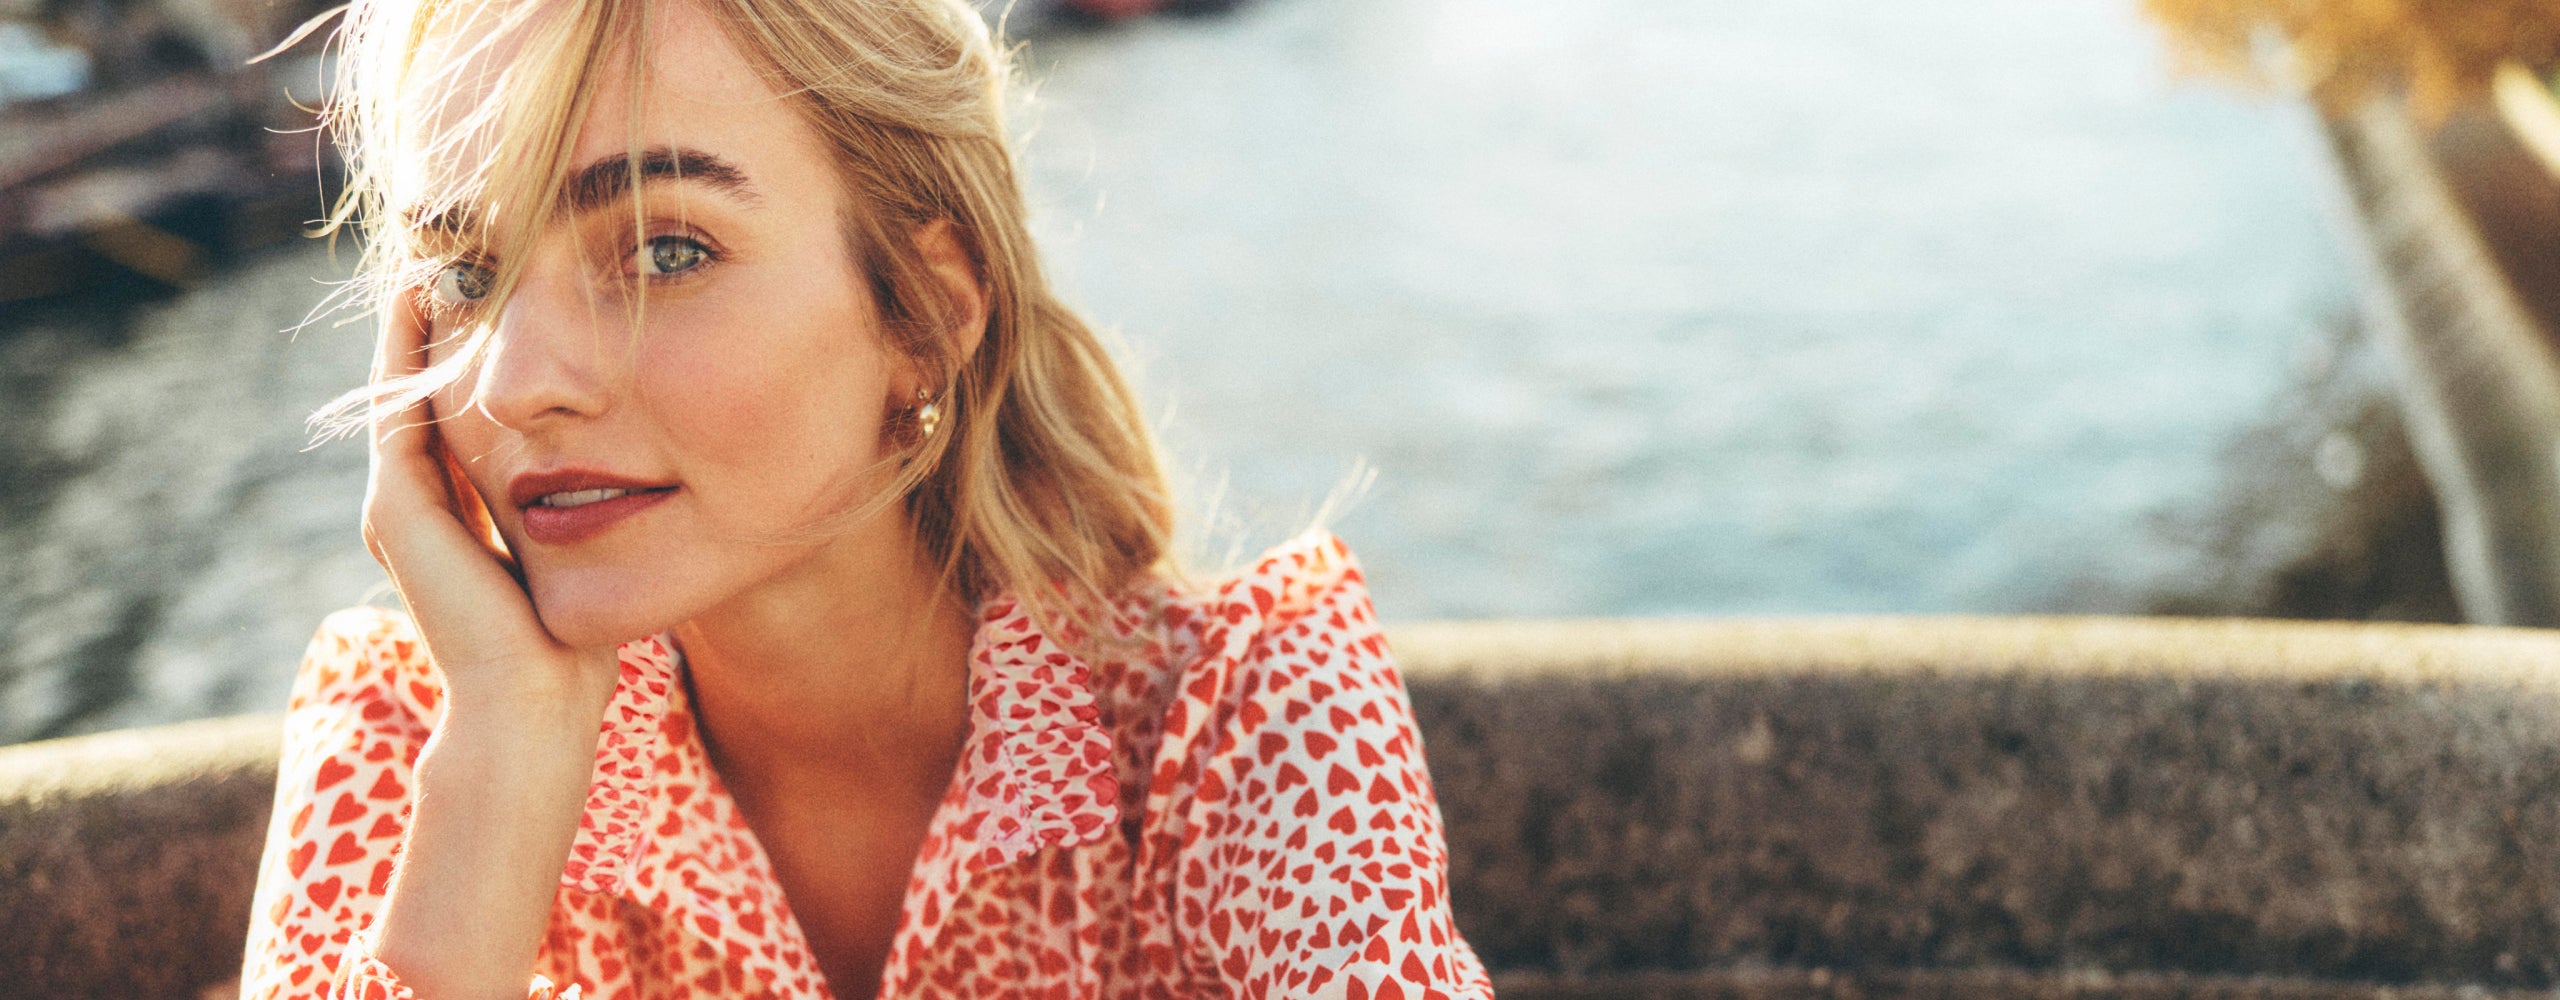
[{"x": 607, "y": 181}]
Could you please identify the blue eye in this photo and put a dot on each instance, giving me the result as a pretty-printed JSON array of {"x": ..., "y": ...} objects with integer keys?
[
  {"x": 461, "y": 283},
  {"x": 671, "y": 255}
]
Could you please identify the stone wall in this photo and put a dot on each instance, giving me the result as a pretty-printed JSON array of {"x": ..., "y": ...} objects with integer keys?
[
  {"x": 126, "y": 858},
  {"x": 1925, "y": 807}
]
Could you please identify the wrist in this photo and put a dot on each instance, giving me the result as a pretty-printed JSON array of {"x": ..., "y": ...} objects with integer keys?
[
  {"x": 494, "y": 816},
  {"x": 512, "y": 735},
  {"x": 533, "y": 695}
]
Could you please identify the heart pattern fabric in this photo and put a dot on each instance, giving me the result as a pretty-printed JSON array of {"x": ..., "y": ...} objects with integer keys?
[{"x": 1220, "y": 792}]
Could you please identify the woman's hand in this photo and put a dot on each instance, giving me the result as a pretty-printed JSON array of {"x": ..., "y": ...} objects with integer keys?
[
  {"x": 433, "y": 533},
  {"x": 501, "y": 784}
]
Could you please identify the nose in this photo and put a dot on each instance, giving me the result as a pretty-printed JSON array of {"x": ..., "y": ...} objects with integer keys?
[{"x": 545, "y": 361}]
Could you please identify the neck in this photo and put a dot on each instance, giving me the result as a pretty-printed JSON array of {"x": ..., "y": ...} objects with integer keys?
[{"x": 846, "y": 673}]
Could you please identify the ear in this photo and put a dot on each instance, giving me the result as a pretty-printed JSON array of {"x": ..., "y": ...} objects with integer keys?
[{"x": 938, "y": 244}]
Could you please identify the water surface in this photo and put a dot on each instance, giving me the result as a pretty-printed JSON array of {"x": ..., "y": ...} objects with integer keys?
[{"x": 1629, "y": 307}]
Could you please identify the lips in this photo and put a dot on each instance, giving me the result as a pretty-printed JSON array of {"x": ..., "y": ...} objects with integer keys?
[{"x": 571, "y": 505}]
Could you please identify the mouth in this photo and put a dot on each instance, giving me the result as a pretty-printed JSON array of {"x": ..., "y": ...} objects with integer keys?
[
  {"x": 572, "y": 505},
  {"x": 581, "y": 498}
]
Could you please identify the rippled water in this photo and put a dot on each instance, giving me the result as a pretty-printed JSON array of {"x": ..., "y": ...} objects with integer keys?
[
  {"x": 1628, "y": 307},
  {"x": 1635, "y": 307}
]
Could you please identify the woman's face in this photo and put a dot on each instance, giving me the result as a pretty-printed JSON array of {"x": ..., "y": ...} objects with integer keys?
[{"x": 755, "y": 397}]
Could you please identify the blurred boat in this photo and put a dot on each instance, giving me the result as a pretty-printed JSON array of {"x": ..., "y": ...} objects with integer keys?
[{"x": 168, "y": 154}]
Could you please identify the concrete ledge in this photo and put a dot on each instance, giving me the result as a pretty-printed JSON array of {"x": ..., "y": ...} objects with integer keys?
[
  {"x": 126, "y": 858},
  {"x": 2100, "y": 808},
  {"x": 1962, "y": 984},
  {"x": 2327, "y": 802}
]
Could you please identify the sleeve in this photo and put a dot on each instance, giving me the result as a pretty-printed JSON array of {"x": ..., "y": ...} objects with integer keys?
[
  {"x": 360, "y": 712},
  {"x": 1319, "y": 863}
]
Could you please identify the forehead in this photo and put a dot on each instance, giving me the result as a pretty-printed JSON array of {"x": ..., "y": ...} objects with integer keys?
[{"x": 487, "y": 92}]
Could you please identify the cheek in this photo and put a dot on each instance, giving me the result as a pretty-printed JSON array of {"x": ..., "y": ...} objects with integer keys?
[
  {"x": 461, "y": 428},
  {"x": 467, "y": 435},
  {"x": 784, "y": 408}
]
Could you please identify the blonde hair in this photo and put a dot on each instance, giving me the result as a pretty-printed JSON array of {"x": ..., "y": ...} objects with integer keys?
[{"x": 1043, "y": 479}]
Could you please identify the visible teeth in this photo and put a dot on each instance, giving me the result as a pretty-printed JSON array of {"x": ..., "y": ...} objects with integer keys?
[{"x": 580, "y": 498}]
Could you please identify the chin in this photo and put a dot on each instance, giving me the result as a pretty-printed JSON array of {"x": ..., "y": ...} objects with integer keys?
[{"x": 586, "y": 612}]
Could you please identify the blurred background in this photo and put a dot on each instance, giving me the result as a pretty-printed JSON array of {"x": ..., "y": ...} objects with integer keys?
[{"x": 1615, "y": 307}]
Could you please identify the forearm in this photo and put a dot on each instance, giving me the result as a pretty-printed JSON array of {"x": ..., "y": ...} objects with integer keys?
[{"x": 500, "y": 789}]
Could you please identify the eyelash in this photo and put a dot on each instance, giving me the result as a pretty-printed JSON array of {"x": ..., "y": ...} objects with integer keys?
[{"x": 710, "y": 255}]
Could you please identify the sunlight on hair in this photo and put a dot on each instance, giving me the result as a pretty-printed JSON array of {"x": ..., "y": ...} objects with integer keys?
[{"x": 1043, "y": 478}]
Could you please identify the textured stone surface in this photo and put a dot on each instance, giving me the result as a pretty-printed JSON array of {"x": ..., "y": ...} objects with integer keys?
[
  {"x": 1817, "y": 809},
  {"x": 1963, "y": 984},
  {"x": 2375, "y": 804},
  {"x": 126, "y": 858}
]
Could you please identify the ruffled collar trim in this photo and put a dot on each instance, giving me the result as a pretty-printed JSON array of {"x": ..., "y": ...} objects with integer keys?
[{"x": 1036, "y": 771}]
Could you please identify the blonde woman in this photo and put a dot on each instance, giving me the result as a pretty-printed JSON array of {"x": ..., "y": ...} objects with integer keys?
[{"x": 787, "y": 604}]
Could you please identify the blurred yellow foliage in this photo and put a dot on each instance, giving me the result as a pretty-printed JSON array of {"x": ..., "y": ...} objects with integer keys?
[{"x": 2438, "y": 52}]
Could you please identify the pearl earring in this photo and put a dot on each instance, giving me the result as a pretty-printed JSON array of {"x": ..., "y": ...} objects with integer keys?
[{"x": 928, "y": 413}]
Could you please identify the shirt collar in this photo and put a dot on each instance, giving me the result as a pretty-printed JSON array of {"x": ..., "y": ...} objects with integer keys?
[{"x": 1035, "y": 772}]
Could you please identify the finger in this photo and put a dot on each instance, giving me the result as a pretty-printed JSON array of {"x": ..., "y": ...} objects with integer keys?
[
  {"x": 398, "y": 351},
  {"x": 435, "y": 536},
  {"x": 399, "y": 356},
  {"x": 417, "y": 523},
  {"x": 409, "y": 341},
  {"x": 478, "y": 518}
]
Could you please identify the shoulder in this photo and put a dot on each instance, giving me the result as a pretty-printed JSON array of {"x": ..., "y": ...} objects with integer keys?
[
  {"x": 1312, "y": 840},
  {"x": 1302, "y": 654},
  {"x": 1287, "y": 663},
  {"x": 370, "y": 659},
  {"x": 1312, "y": 573},
  {"x": 1300, "y": 611},
  {"x": 362, "y": 707},
  {"x": 1168, "y": 637},
  {"x": 361, "y": 710},
  {"x": 1290, "y": 608},
  {"x": 1296, "y": 628}
]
